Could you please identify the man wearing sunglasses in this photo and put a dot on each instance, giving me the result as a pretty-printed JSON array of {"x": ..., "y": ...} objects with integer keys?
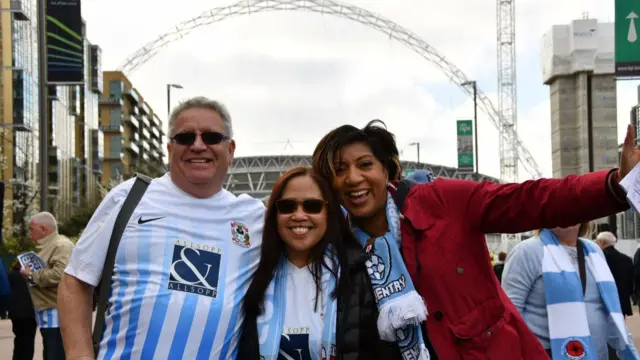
[{"x": 184, "y": 261}]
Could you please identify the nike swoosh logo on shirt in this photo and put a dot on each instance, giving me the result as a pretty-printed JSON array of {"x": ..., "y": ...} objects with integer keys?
[{"x": 140, "y": 221}]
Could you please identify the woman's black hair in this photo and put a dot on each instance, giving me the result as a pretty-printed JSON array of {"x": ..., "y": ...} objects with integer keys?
[
  {"x": 338, "y": 235},
  {"x": 375, "y": 134}
]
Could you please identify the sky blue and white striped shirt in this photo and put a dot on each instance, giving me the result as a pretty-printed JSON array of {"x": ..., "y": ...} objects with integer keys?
[
  {"x": 181, "y": 272},
  {"x": 47, "y": 319}
]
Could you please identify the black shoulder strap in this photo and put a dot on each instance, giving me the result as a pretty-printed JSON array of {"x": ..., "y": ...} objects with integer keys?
[
  {"x": 581, "y": 267},
  {"x": 402, "y": 191},
  {"x": 130, "y": 203}
]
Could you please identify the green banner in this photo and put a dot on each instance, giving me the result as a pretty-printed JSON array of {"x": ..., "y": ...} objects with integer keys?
[
  {"x": 465, "y": 127},
  {"x": 465, "y": 160},
  {"x": 465, "y": 145},
  {"x": 627, "y": 44}
]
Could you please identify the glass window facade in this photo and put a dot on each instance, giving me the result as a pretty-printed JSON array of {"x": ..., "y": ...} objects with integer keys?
[{"x": 75, "y": 148}]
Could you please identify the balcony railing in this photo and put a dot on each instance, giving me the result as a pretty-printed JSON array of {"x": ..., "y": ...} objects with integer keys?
[
  {"x": 112, "y": 128},
  {"x": 132, "y": 120},
  {"x": 18, "y": 11},
  {"x": 114, "y": 156},
  {"x": 133, "y": 95},
  {"x": 132, "y": 147},
  {"x": 111, "y": 101}
]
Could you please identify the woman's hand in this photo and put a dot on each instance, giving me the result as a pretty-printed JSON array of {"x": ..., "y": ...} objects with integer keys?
[{"x": 630, "y": 153}]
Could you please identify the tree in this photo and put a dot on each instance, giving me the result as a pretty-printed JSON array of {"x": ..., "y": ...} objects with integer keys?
[{"x": 150, "y": 169}]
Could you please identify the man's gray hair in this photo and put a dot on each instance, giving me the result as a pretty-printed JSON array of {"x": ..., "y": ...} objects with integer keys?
[
  {"x": 607, "y": 238},
  {"x": 45, "y": 218},
  {"x": 201, "y": 102}
]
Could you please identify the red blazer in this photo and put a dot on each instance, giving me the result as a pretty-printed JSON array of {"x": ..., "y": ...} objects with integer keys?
[{"x": 444, "y": 247}]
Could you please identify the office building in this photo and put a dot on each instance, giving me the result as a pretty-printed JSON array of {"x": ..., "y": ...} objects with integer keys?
[
  {"x": 18, "y": 107},
  {"x": 578, "y": 66},
  {"x": 133, "y": 134},
  {"x": 74, "y": 147},
  {"x": 74, "y": 139}
]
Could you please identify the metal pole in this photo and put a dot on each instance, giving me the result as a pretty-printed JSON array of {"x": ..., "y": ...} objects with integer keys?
[
  {"x": 168, "y": 99},
  {"x": 42, "y": 105},
  {"x": 418, "y": 146},
  {"x": 475, "y": 122}
]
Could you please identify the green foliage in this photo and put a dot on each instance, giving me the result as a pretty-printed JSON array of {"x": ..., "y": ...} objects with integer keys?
[
  {"x": 152, "y": 170},
  {"x": 74, "y": 225},
  {"x": 15, "y": 244}
]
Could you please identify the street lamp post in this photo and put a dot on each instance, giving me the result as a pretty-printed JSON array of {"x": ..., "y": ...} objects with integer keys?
[
  {"x": 169, "y": 86},
  {"x": 417, "y": 144},
  {"x": 474, "y": 84},
  {"x": 42, "y": 105}
]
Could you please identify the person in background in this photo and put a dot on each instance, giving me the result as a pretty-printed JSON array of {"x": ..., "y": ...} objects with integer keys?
[
  {"x": 5, "y": 291},
  {"x": 313, "y": 279},
  {"x": 636, "y": 276},
  {"x": 499, "y": 266},
  {"x": 54, "y": 249},
  {"x": 561, "y": 284},
  {"x": 22, "y": 315},
  {"x": 621, "y": 267}
]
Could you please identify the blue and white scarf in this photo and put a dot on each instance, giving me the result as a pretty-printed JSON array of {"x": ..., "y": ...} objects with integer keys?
[
  {"x": 401, "y": 308},
  {"x": 271, "y": 321},
  {"x": 567, "y": 315}
]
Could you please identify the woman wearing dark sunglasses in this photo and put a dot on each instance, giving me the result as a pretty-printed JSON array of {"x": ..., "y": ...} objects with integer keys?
[{"x": 310, "y": 297}]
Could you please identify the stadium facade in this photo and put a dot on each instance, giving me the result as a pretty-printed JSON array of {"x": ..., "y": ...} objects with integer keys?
[{"x": 256, "y": 175}]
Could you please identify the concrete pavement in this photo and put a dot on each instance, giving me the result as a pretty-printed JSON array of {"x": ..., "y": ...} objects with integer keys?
[{"x": 6, "y": 336}]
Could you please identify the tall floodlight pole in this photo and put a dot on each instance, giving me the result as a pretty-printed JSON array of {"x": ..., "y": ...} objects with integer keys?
[
  {"x": 42, "y": 105},
  {"x": 417, "y": 144},
  {"x": 169, "y": 86}
]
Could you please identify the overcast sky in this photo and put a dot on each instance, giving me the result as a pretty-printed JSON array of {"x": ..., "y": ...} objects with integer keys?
[{"x": 290, "y": 77}]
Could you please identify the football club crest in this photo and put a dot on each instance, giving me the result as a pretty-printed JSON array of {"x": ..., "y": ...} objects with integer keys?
[
  {"x": 240, "y": 234},
  {"x": 574, "y": 349},
  {"x": 378, "y": 261}
]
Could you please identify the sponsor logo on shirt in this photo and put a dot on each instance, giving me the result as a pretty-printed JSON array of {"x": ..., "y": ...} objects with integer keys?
[
  {"x": 294, "y": 344},
  {"x": 195, "y": 268},
  {"x": 240, "y": 234}
]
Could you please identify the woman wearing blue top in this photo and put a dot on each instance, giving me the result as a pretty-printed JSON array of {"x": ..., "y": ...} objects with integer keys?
[
  {"x": 561, "y": 284},
  {"x": 310, "y": 298}
]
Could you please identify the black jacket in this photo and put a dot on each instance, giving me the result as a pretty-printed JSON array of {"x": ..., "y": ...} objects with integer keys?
[
  {"x": 356, "y": 334},
  {"x": 621, "y": 267},
  {"x": 20, "y": 304}
]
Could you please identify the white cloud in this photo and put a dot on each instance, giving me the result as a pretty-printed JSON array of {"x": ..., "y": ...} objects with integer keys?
[{"x": 293, "y": 76}]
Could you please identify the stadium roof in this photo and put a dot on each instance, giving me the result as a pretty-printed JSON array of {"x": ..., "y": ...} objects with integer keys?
[{"x": 255, "y": 175}]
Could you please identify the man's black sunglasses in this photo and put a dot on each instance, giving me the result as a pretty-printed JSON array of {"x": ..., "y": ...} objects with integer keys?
[
  {"x": 208, "y": 137},
  {"x": 310, "y": 206}
]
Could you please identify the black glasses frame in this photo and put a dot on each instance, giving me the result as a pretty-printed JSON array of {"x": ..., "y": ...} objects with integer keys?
[
  {"x": 188, "y": 138},
  {"x": 309, "y": 206}
]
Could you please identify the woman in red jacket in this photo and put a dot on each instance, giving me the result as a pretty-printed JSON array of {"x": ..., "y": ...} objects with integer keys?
[{"x": 442, "y": 233}]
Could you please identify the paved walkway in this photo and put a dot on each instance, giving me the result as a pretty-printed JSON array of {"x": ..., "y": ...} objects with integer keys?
[{"x": 6, "y": 336}]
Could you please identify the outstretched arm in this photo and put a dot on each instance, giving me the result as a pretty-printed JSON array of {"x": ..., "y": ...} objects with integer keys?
[
  {"x": 544, "y": 203},
  {"x": 511, "y": 208}
]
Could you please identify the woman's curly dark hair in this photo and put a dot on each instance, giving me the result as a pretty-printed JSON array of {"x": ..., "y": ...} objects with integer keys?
[{"x": 374, "y": 134}]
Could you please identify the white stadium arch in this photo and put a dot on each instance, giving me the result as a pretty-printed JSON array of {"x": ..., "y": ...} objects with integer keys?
[{"x": 335, "y": 8}]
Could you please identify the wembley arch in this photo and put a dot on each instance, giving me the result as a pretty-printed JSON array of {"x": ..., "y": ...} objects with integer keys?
[{"x": 357, "y": 14}]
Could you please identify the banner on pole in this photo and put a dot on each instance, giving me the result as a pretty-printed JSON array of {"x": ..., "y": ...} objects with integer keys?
[
  {"x": 65, "y": 43},
  {"x": 465, "y": 145},
  {"x": 627, "y": 45}
]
